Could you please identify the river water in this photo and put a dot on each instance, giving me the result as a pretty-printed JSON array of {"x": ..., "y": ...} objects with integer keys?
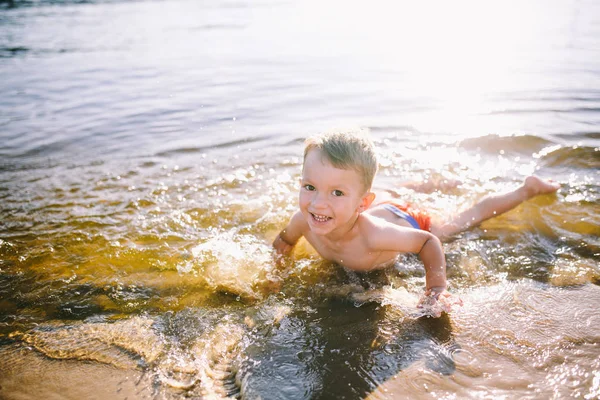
[{"x": 150, "y": 152}]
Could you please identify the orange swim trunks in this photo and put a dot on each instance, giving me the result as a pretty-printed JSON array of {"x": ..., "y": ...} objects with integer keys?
[{"x": 417, "y": 218}]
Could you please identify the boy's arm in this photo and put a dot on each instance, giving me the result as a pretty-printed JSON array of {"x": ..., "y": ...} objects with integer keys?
[
  {"x": 289, "y": 236},
  {"x": 429, "y": 249},
  {"x": 426, "y": 245},
  {"x": 434, "y": 261}
]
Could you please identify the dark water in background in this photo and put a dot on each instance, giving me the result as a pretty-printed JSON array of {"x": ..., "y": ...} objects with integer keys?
[{"x": 150, "y": 152}]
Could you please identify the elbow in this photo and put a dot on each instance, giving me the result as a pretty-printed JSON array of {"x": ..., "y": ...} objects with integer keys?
[
  {"x": 429, "y": 239},
  {"x": 432, "y": 252}
]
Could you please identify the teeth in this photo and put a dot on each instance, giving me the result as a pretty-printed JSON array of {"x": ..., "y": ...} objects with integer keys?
[{"x": 320, "y": 218}]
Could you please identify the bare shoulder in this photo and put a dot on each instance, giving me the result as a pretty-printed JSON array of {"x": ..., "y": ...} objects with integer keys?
[
  {"x": 382, "y": 235},
  {"x": 374, "y": 229},
  {"x": 369, "y": 223}
]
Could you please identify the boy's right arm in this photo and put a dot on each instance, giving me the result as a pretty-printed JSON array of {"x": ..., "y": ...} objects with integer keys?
[{"x": 289, "y": 236}]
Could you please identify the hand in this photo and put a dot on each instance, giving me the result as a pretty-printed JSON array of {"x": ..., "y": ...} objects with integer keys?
[
  {"x": 438, "y": 300},
  {"x": 281, "y": 246},
  {"x": 282, "y": 249}
]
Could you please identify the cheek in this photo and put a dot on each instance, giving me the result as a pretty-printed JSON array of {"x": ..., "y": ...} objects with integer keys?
[
  {"x": 303, "y": 198},
  {"x": 347, "y": 205}
]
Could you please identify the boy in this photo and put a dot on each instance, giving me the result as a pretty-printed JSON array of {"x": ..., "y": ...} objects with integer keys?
[{"x": 339, "y": 218}]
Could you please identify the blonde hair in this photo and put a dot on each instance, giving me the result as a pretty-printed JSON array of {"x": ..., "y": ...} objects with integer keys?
[{"x": 347, "y": 150}]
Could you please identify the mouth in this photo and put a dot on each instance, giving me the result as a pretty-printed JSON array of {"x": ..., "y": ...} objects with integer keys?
[{"x": 320, "y": 218}]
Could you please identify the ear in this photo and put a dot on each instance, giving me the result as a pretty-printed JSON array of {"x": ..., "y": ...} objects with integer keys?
[{"x": 366, "y": 201}]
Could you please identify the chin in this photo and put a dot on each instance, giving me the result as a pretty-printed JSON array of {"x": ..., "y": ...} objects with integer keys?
[{"x": 321, "y": 229}]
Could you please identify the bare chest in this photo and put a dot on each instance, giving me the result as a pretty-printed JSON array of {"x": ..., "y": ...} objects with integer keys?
[{"x": 354, "y": 254}]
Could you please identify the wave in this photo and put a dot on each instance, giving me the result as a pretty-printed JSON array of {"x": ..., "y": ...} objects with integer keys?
[
  {"x": 511, "y": 144},
  {"x": 583, "y": 157},
  {"x": 201, "y": 149},
  {"x": 574, "y": 136}
]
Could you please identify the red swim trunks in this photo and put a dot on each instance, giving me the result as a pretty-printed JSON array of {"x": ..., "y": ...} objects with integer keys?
[{"x": 417, "y": 218}]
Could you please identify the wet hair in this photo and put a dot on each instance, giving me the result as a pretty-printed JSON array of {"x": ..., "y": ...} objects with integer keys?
[{"x": 347, "y": 150}]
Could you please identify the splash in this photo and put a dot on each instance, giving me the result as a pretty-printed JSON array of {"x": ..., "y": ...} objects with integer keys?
[
  {"x": 218, "y": 357},
  {"x": 209, "y": 367},
  {"x": 234, "y": 263},
  {"x": 127, "y": 344},
  {"x": 408, "y": 304}
]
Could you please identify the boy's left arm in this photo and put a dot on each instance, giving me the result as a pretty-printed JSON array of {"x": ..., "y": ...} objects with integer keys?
[
  {"x": 434, "y": 261},
  {"x": 409, "y": 240},
  {"x": 432, "y": 255},
  {"x": 429, "y": 249}
]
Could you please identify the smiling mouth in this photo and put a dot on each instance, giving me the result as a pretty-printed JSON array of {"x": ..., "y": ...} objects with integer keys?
[{"x": 320, "y": 218}]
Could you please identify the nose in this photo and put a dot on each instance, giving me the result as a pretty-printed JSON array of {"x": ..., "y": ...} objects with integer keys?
[{"x": 319, "y": 200}]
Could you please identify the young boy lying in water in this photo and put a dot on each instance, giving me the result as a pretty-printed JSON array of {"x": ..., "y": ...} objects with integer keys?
[{"x": 339, "y": 217}]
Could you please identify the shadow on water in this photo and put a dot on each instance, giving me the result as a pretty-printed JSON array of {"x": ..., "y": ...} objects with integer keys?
[{"x": 340, "y": 350}]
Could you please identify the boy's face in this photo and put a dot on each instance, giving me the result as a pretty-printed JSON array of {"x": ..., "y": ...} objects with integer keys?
[{"x": 330, "y": 198}]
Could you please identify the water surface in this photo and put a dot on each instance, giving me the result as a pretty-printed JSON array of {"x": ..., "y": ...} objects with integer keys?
[{"x": 150, "y": 152}]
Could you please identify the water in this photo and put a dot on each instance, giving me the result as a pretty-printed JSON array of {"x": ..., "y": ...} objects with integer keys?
[{"x": 150, "y": 153}]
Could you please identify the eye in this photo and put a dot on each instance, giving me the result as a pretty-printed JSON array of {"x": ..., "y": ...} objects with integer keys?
[
  {"x": 310, "y": 188},
  {"x": 337, "y": 193}
]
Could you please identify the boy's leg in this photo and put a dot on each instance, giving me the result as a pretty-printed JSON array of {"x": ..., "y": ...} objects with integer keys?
[{"x": 494, "y": 205}]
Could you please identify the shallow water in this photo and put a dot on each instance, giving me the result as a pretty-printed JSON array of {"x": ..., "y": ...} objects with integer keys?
[{"x": 150, "y": 153}]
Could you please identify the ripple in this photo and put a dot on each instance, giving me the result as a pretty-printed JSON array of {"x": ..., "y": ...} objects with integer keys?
[
  {"x": 8, "y": 52},
  {"x": 466, "y": 362},
  {"x": 222, "y": 145}
]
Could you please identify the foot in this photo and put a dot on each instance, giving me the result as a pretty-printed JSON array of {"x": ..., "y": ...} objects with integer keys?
[{"x": 535, "y": 185}]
